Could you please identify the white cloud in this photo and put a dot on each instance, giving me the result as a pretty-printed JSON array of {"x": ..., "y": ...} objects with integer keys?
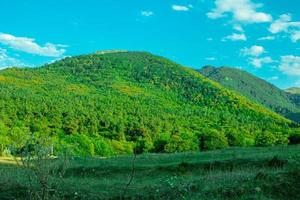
[
  {"x": 235, "y": 37},
  {"x": 7, "y": 61},
  {"x": 295, "y": 36},
  {"x": 244, "y": 11},
  {"x": 181, "y": 8},
  {"x": 258, "y": 62},
  {"x": 253, "y": 51},
  {"x": 270, "y": 37},
  {"x": 273, "y": 78},
  {"x": 238, "y": 28},
  {"x": 210, "y": 58},
  {"x": 290, "y": 65},
  {"x": 285, "y": 24},
  {"x": 147, "y": 13},
  {"x": 29, "y": 45}
]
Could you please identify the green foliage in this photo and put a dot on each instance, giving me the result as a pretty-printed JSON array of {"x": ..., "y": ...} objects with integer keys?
[
  {"x": 107, "y": 104},
  {"x": 257, "y": 89},
  {"x": 213, "y": 139},
  {"x": 180, "y": 142},
  {"x": 77, "y": 145},
  {"x": 103, "y": 147},
  {"x": 265, "y": 138}
]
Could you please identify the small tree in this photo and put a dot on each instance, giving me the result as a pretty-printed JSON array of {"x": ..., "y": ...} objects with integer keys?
[{"x": 213, "y": 139}]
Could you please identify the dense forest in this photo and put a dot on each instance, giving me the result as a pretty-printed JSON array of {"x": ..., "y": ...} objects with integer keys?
[
  {"x": 282, "y": 102},
  {"x": 119, "y": 102}
]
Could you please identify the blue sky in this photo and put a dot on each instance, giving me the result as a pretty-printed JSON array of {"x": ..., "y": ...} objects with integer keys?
[{"x": 262, "y": 37}]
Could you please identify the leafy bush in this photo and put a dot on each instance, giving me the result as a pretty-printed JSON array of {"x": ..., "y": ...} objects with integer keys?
[
  {"x": 236, "y": 138},
  {"x": 103, "y": 147},
  {"x": 122, "y": 147},
  {"x": 143, "y": 145},
  {"x": 182, "y": 142},
  {"x": 265, "y": 138},
  {"x": 76, "y": 144},
  {"x": 161, "y": 142},
  {"x": 213, "y": 139}
]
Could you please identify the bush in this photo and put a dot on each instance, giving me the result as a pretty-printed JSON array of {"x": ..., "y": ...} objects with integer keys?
[
  {"x": 213, "y": 139},
  {"x": 103, "y": 147},
  {"x": 143, "y": 145},
  {"x": 265, "y": 138},
  {"x": 122, "y": 147},
  {"x": 236, "y": 138},
  {"x": 182, "y": 142},
  {"x": 160, "y": 143},
  {"x": 4, "y": 142},
  {"x": 79, "y": 145},
  {"x": 282, "y": 139}
]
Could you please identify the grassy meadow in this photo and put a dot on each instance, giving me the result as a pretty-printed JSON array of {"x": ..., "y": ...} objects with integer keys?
[{"x": 234, "y": 173}]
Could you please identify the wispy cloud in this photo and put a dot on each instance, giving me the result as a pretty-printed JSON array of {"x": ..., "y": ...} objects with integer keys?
[
  {"x": 273, "y": 78},
  {"x": 285, "y": 24},
  {"x": 29, "y": 45},
  {"x": 147, "y": 13},
  {"x": 7, "y": 61},
  {"x": 290, "y": 65},
  {"x": 270, "y": 37},
  {"x": 244, "y": 11},
  {"x": 181, "y": 7},
  {"x": 255, "y": 50},
  {"x": 235, "y": 37},
  {"x": 211, "y": 58},
  {"x": 253, "y": 54},
  {"x": 258, "y": 62},
  {"x": 238, "y": 28}
]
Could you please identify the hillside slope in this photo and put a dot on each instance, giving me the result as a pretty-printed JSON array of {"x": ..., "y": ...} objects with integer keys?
[
  {"x": 293, "y": 90},
  {"x": 104, "y": 104},
  {"x": 255, "y": 89}
]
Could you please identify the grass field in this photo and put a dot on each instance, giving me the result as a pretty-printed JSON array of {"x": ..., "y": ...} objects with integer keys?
[{"x": 235, "y": 173}]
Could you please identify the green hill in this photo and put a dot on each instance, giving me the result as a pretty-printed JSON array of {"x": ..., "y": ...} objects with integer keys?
[
  {"x": 293, "y": 90},
  {"x": 255, "y": 89},
  {"x": 107, "y": 103}
]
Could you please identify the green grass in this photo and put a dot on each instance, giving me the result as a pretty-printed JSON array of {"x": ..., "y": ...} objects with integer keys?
[{"x": 235, "y": 173}]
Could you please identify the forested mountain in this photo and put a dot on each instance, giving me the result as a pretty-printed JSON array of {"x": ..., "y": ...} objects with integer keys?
[
  {"x": 109, "y": 103},
  {"x": 255, "y": 89}
]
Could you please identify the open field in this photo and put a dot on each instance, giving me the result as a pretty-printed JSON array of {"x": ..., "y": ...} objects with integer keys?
[{"x": 235, "y": 173}]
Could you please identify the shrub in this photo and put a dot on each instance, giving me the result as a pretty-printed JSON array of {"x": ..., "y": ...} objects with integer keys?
[
  {"x": 103, "y": 147},
  {"x": 265, "y": 138},
  {"x": 282, "y": 139},
  {"x": 143, "y": 145},
  {"x": 160, "y": 143},
  {"x": 77, "y": 144},
  {"x": 182, "y": 142},
  {"x": 122, "y": 147},
  {"x": 236, "y": 138},
  {"x": 213, "y": 139},
  {"x": 4, "y": 142}
]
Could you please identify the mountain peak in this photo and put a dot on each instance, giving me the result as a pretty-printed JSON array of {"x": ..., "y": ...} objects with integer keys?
[{"x": 101, "y": 52}]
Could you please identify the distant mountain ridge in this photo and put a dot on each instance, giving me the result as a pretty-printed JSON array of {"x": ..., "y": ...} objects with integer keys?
[
  {"x": 293, "y": 90},
  {"x": 256, "y": 89}
]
